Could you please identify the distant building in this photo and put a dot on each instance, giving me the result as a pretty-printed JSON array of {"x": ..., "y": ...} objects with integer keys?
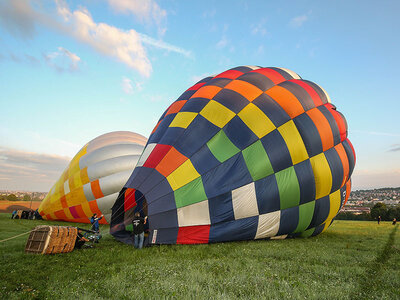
[{"x": 357, "y": 210}]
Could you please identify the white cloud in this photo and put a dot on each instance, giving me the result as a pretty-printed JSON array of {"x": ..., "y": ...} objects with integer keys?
[
  {"x": 394, "y": 148},
  {"x": 20, "y": 138},
  {"x": 259, "y": 29},
  {"x": 21, "y": 58},
  {"x": 163, "y": 45},
  {"x": 222, "y": 43},
  {"x": 129, "y": 87},
  {"x": 126, "y": 46},
  {"x": 108, "y": 40},
  {"x": 29, "y": 170},
  {"x": 145, "y": 10},
  {"x": 63, "y": 60},
  {"x": 72, "y": 57},
  {"x": 375, "y": 133},
  {"x": 298, "y": 21}
]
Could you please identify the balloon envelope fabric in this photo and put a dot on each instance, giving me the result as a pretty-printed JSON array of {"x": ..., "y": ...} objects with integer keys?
[
  {"x": 248, "y": 154},
  {"x": 91, "y": 182}
]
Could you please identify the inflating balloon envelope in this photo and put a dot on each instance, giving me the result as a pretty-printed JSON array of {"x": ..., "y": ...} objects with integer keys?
[
  {"x": 91, "y": 182},
  {"x": 250, "y": 153}
]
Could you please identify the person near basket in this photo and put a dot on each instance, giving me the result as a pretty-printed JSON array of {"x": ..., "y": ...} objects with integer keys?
[
  {"x": 138, "y": 230},
  {"x": 80, "y": 240},
  {"x": 94, "y": 220}
]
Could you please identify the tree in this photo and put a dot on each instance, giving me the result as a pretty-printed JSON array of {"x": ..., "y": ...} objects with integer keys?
[
  {"x": 350, "y": 216},
  {"x": 393, "y": 212},
  {"x": 27, "y": 197},
  {"x": 12, "y": 197},
  {"x": 379, "y": 209}
]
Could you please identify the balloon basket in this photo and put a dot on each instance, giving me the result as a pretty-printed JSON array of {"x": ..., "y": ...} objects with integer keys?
[{"x": 45, "y": 239}]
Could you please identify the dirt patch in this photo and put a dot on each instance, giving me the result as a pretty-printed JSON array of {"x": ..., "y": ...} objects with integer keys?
[{"x": 10, "y": 206}]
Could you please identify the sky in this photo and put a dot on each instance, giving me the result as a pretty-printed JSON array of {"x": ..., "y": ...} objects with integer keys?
[{"x": 73, "y": 70}]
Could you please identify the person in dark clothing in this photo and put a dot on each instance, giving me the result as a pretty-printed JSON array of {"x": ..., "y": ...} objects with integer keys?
[
  {"x": 94, "y": 220},
  {"x": 37, "y": 215},
  {"x": 379, "y": 220},
  {"x": 394, "y": 221},
  {"x": 138, "y": 230},
  {"x": 80, "y": 240}
]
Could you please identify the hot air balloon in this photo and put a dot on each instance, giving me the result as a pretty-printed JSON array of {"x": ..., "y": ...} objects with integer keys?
[
  {"x": 91, "y": 182},
  {"x": 251, "y": 153}
]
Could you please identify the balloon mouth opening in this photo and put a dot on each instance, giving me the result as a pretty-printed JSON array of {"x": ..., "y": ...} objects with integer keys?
[{"x": 141, "y": 204}]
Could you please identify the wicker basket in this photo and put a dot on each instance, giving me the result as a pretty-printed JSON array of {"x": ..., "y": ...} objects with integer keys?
[{"x": 45, "y": 239}]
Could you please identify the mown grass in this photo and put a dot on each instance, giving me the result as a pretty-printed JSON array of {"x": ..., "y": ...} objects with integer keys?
[{"x": 352, "y": 260}]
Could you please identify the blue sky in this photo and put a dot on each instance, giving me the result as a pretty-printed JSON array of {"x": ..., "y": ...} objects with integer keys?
[{"x": 72, "y": 70}]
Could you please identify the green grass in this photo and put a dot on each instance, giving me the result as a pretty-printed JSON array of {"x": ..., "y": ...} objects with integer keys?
[{"x": 352, "y": 260}]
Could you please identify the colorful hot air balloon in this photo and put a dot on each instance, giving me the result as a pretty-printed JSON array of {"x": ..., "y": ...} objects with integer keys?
[
  {"x": 248, "y": 154},
  {"x": 91, "y": 182}
]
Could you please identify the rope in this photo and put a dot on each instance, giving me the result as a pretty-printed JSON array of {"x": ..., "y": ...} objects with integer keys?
[{"x": 13, "y": 237}]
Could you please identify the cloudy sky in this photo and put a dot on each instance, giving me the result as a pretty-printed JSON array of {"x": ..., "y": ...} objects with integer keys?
[{"x": 72, "y": 70}]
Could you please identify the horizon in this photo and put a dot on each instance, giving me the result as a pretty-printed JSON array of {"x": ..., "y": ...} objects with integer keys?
[
  {"x": 26, "y": 191},
  {"x": 73, "y": 70}
]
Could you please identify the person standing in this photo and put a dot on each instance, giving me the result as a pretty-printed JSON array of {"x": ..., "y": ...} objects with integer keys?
[
  {"x": 379, "y": 220},
  {"x": 138, "y": 230},
  {"x": 94, "y": 220}
]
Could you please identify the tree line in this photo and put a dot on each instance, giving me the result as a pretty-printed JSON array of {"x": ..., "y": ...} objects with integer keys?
[
  {"x": 13, "y": 197},
  {"x": 379, "y": 209}
]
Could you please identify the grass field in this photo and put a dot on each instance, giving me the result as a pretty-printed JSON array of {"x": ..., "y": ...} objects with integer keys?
[{"x": 352, "y": 260}]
